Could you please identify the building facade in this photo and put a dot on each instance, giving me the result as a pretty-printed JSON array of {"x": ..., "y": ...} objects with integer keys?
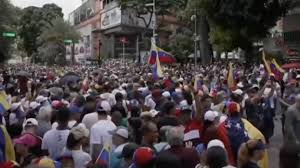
[{"x": 104, "y": 26}]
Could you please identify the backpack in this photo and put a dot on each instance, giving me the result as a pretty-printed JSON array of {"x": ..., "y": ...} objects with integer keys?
[{"x": 236, "y": 134}]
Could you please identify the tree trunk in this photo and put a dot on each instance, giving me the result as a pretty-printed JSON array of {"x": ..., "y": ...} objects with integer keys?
[
  {"x": 218, "y": 56},
  {"x": 203, "y": 29},
  {"x": 226, "y": 56},
  {"x": 73, "y": 53}
]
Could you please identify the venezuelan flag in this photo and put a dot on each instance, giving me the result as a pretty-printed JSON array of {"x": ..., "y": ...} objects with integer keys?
[
  {"x": 157, "y": 70},
  {"x": 276, "y": 70},
  {"x": 254, "y": 133},
  {"x": 163, "y": 56},
  {"x": 266, "y": 63},
  {"x": 7, "y": 152},
  {"x": 4, "y": 105},
  {"x": 103, "y": 159},
  {"x": 230, "y": 79}
]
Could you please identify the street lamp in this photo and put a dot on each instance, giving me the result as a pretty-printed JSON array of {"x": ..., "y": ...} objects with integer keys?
[{"x": 194, "y": 18}]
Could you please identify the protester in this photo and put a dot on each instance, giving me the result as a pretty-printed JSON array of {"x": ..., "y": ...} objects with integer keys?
[
  {"x": 187, "y": 156},
  {"x": 250, "y": 153},
  {"x": 173, "y": 119},
  {"x": 55, "y": 139},
  {"x": 100, "y": 132},
  {"x": 76, "y": 139}
]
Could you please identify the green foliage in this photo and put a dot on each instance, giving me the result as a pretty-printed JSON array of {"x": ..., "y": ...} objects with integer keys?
[
  {"x": 8, "y": 20},
  {"x": 181, "y": 45},
  {"x": 52, "y": 39},
  {"x": 32, "y": 22},
  {"x": 245, "y": 21}
]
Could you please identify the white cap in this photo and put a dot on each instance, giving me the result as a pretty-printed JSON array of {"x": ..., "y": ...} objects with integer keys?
[
  {"x": 166, "y": 94},
  {"x": 121, "y": 131},
  {"x": 214, "y": 143},
  {"x": 31, "y": 122},
  {"x": 40, "y": 99},
  {"x": 151, "y": 113},
  {"x": 240, "y": 85},
  {"x": 298, "y": 77},
  {"x": 238, "y": 92},
  {"x": 14, "y": 106},
  {"x": 211, "y": 115},
  {"x": 34, "y": 105},
  {"x": 106, "y": 106}
]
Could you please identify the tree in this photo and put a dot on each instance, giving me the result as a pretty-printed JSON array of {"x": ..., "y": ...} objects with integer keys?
[
  {"x": 8, "y": 20},
  {"x": 181, "y": 45},
  {"x": 52, "y": 39},
  {"x": 245, "y": 21},
  {"x": 32, "y": 22}
]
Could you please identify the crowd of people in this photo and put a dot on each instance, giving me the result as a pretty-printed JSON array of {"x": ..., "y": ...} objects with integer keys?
[{"x": 120, "y": 116}]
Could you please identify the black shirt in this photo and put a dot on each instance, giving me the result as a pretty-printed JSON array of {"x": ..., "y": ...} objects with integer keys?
[
  {"x": 167, "y": 121},
  {"x": 250, "y": 165}
]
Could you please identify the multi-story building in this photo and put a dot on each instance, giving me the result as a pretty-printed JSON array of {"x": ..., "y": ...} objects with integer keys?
[
  {"x": 103, "y": 24},
  {"x": 291, "y": 32}
]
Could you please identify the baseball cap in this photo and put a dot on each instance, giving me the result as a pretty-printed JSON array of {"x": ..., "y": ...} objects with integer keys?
[
  {"x": 214, "y": 143},
  {"x": 103, "y": 106},
  {"x": 152, "y": 113},
  {"x": 143, "y": 156},
  {"x": 166, "y": 94},
  {"x": 211, "y": 115},
  {"x": 30, "y": 122},
  {"x": 238, "y": 92},
  {"x": 121, "y": 131},
  {"x": 41, "y": 99},
  {"x": 233, "y": 107},
  {"x": 128, "y": 150},
  {"x": 28, "y": 139},
  {"x": 33, "y": 105},
  {"x": 15, "y": 106}
]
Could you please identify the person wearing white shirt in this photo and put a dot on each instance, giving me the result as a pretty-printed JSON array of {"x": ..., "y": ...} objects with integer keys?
[
  {"x": 100, "y": 135},
  {"x": 55, "y": 140}
]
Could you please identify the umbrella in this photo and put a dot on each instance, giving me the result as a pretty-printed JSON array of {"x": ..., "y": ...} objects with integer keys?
[
  {"x": 291, "y": 65},
  {"x": 23, "y": 74},
  {"x": 70, "y": 77}
]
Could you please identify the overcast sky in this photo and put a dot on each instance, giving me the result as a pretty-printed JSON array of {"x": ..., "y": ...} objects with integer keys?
[{"x": 67, "y": 5}]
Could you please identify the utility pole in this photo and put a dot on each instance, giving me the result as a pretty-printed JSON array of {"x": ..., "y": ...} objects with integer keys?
[{"x": 194, "y": 18}]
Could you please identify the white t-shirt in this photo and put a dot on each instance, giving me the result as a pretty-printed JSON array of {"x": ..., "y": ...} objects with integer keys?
[
  {"x": 90, "y": 119},
  {"x": 54, "y": 141},
  {"x": 100, "y": 132},
  {"x": 70, "y": 124},
  {"x": 81, "y": 159}
]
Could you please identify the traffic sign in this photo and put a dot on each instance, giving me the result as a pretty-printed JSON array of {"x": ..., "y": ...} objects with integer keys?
[
  {"x": 9, "y": 34},
  {"x": 67, "y": 41}
]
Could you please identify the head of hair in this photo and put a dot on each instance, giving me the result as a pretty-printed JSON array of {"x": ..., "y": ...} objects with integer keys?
[
  {"x": 175, "y": 136},
  {"x": 216, "y": 157},
  {"x": 63, "y": 115},
  {"x": 71, "y": 141},
  {"x": 167, "y": 107},
  {"x": 246, "y": 151},
  {"x": 135, "y": 111},
  {"x": 145, "y": 129},
  {"x": 119, "y": 97}
]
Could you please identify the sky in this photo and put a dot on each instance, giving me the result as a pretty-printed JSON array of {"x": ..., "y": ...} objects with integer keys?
[{"x": 67, "y": 5}]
